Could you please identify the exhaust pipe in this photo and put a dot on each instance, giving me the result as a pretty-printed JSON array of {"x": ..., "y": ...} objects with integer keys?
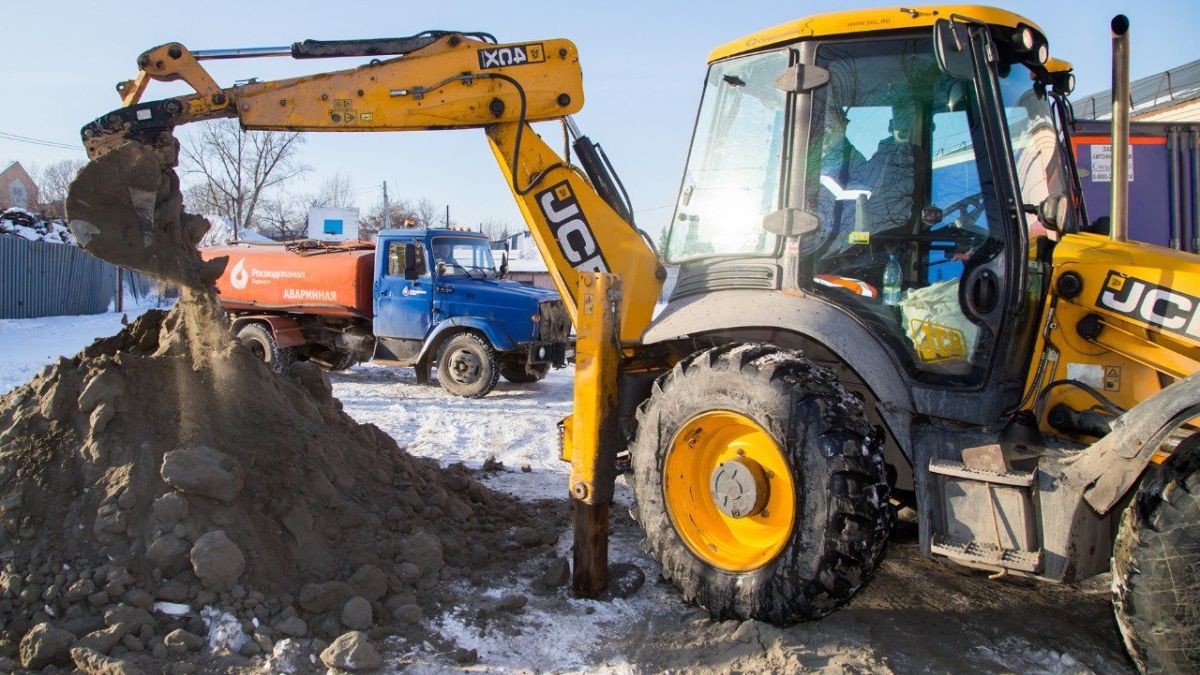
[{"x": 1119, "y": 206}]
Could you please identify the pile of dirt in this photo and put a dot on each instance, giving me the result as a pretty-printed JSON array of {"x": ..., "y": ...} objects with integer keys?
[{"x": 164, "y": 490}]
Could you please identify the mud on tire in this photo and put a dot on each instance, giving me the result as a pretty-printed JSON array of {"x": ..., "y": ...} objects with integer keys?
[
  {"x": 261, "y": 342},
  {"x": 481, "y": 366},
  {"x": 1156, "y": 567},
  {"x": 842, "y": 513}
]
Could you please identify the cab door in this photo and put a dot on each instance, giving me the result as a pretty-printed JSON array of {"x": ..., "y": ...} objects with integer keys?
[{"x": 403, "y": 304}]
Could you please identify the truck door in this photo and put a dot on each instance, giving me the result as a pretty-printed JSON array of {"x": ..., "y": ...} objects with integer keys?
[{"x": 403, "y": 307}]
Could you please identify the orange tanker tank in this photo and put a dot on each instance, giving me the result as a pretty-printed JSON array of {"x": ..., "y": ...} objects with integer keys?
[{"x": 320, "y": 279}]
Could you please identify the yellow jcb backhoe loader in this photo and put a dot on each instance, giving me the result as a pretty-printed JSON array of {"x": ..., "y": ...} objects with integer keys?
[{"x": 888, "y": 292}]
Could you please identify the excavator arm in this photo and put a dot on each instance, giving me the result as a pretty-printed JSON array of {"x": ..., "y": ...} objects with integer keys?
[{"x": 604, "y": 267}]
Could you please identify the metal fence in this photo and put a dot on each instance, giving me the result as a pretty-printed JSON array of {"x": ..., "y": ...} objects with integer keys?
[{"x": 42, "y": 279}]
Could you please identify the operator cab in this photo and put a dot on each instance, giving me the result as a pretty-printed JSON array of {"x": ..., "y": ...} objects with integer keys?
[{"x": 859, "y": 170}]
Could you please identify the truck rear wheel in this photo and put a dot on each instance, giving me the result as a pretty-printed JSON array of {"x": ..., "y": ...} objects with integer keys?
[
  {"x": 515, "y": 372},
  {"x": 261, "y": 342},
  {"x": 468, "y": 366},
  {"x": 1156, "y": 567},
  {"x": 761, "y": 487}
]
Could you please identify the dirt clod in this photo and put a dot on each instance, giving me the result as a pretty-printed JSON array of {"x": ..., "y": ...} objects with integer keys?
[{"x": 353, "y": 652}]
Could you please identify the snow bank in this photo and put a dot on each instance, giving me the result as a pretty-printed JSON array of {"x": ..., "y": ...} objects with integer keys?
[
  {"x": 22, "y": 223},
  {"x": 220, "y": 233}
]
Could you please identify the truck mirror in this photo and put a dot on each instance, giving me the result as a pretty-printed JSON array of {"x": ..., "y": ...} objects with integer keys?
[
  {"x": 441, "y": 269},
  {"x": 504, "y": 263},
  {"x": 952, "y": 44},
  {"x": 410, "y": 262}
]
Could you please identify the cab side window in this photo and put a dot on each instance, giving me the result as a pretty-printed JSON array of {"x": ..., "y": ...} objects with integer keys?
[{"x": 396, "y": 254}]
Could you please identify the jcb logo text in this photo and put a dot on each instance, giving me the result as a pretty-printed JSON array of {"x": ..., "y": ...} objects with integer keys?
[
  {"x": 571, "y": 230},
  {"x": 1156, "y": 305}
]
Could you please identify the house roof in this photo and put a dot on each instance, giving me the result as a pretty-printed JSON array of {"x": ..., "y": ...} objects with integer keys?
[{"x": 1148, "y": 94}]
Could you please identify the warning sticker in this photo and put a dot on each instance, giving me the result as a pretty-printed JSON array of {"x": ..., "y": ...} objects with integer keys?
[
  {"x": 935, "y": 342},
  {"x": 1102, "y": 164}
]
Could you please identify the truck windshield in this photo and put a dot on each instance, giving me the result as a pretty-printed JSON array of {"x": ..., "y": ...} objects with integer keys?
[
  {"x": 463, "y": 255},
  {"x": 733, "y": 172}
]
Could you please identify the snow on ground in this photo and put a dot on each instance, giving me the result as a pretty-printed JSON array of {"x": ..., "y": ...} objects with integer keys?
[
  {"x": 516, "y": 423},
  {"x": 917, "y": 615},
  {"x": 30, "y": 344}
]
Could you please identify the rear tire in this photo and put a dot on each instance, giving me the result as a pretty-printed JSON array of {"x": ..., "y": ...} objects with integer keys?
[
  {"x": 515, "y": 372},
  {"x": 259, "y": 339},
  {"x": 468, "y": 366},
  {"x": 836, "y": 487},
  {"x": 1156, "y": 567}
]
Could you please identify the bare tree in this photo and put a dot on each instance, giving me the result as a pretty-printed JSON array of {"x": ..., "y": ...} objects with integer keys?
[
  {"x": 334, "y": 193},
  {"x": 496, "y": 230},
  {"x": 427, "y": 213},
  {"x": 402, "y": 215},
  {"x": 54, "y": 181},
  {"x": 236, "y": 168},
  {"x": 283, "y": 218}
]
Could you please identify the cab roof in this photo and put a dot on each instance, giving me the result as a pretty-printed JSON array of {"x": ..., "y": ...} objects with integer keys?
[
  {"x": 429, "y": 232},
  {"x": 864, "y": 21}
]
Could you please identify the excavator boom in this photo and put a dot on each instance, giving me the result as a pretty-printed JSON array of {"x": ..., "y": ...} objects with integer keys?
[{"x": 579, "y": 219}]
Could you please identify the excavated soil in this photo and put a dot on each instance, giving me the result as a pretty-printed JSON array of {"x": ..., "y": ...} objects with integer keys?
[{"x": 165, "y": 490}]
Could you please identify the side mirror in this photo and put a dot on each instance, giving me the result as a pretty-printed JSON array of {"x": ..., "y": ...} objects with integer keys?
[
  {"x": 410, "y": 263},
  {"x": 952, "y": 45},
  {"x": 1056, "y": 213},
  {"x": 799, "y": 78},
  {"x": 441, "y": 269},
  {"x": 504, "y": 263}
]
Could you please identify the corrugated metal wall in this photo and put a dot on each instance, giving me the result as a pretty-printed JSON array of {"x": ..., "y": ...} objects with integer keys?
[{"x": 42, "y": 279}]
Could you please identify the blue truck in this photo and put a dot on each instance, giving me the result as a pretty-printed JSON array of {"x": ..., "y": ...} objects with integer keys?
[{"x": 424, "y": 299}]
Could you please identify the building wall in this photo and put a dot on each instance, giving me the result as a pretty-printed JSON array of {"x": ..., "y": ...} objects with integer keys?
[
  {"x": 17, "y": 188},
  {"x": 1187, "y": 111}
]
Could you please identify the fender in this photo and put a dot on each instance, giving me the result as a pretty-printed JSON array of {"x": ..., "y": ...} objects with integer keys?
[
  {"x": 1108, "y": 468},
  {"x": 806, "y": 316},
  {"x": 500, "y": 339},
  {"x": 286, "y": 330}
]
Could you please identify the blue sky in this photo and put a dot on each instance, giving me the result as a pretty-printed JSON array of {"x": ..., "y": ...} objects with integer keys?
[{"x": 643, "y": 66}]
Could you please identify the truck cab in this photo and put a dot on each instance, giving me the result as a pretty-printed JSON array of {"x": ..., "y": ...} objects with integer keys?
[{"x": 441, "y": 299}]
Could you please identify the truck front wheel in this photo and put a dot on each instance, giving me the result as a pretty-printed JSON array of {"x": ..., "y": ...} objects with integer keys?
[
  {"x": 261, "y": 342},
  {"x": 1156, "y": 567},
  {"x": 760, "y": 486},
  {"x": 468, "y": 366}
]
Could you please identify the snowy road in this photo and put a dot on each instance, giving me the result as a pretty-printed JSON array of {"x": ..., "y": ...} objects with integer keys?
[{"x": 917, "y": 615}]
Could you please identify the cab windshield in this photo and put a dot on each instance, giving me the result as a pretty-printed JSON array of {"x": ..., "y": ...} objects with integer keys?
[
  {"x": 733, "y": 173},
  {"x": 463, "y": 255}
]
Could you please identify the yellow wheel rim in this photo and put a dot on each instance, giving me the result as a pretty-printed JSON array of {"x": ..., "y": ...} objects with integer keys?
[{"x": 737, "y": 524}]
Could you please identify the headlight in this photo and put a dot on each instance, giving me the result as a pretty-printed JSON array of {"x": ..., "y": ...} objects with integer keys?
[
  {"x": 541, "y": 352},
  {"x": 1023, "y": 39}
]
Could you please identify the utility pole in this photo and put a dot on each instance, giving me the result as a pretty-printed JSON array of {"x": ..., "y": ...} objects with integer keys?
[
  {"x": 387, "y": 212},
  {"x": 447, "y": 215}
]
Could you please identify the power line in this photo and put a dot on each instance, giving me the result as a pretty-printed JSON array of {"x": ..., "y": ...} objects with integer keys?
[{"x": 37, "y": 141}]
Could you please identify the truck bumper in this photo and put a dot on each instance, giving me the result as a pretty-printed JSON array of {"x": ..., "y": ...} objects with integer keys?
[{"x": 553, "y": 353}]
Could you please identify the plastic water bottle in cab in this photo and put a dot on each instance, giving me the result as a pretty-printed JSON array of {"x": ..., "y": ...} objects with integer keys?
[{"x": 892, "y": 280}]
